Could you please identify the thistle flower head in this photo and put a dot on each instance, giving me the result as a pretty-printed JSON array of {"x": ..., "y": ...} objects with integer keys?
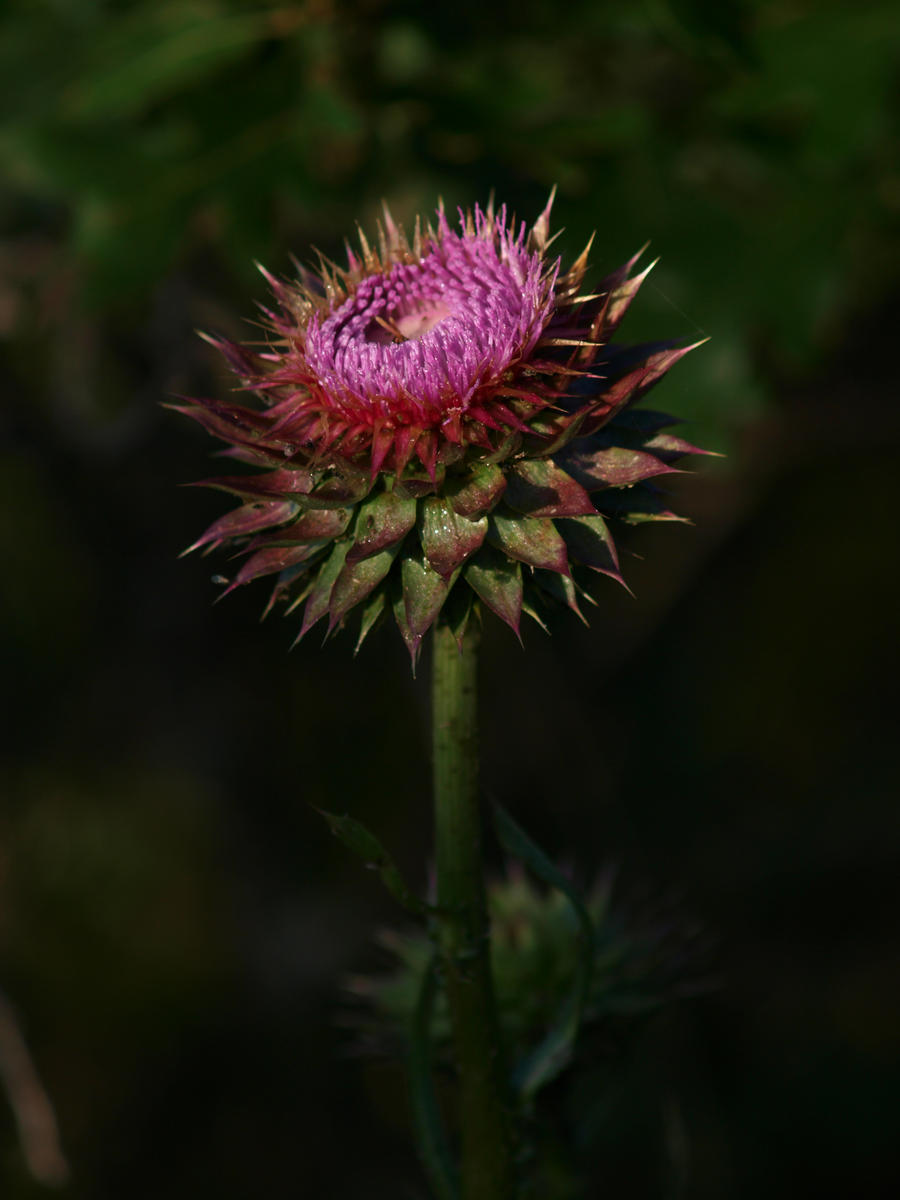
[
  {"x": 434, "y": 417},
  {"x": 422, "y": 346}
]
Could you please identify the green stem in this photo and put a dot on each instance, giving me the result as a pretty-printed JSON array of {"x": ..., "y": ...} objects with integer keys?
[{"x": 488, "y": 1168}]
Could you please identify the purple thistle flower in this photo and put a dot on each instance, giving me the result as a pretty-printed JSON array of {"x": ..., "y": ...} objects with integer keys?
[{"x": 435, "y": 416}]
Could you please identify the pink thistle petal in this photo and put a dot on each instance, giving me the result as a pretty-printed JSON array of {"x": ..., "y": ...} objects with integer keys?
[
  {"x": 382, "y": 443},
  {"x": 404, "y": 445},
  {"x": 427, "y": 448}
]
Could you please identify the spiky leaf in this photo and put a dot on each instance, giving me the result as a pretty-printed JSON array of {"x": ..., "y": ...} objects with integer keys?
[
  {"x": 498, "y": 582},
  {"x": 531, "y": 540},
  {"x": 622, "y": 294},
  {"x": 356, "y": 581},
  {"x": 320, "y": 523},
  {"x": 283, "y": 482},
  {"x": 249, "y": 518},
  {"x": 637, "y": 506},
  {"x": 591, "y": 543},
  {"x": 553, "y": 430},
  {"x": 477, "y": 493},
  {"x": 320, "y": 594},
  {"x": 270, "y": 560},
  {"x": 233, "y": 423},
  {"x": 382, "y": 521},
  {"x": 668, "y": 447},
  {"x": 616, "y": 466},
  {"x": 372, "y": 613},
  {"x": 561, "y": 588},
  {"x": 634, "y": 384},
  {"x": 346, "y": 487},
  {"x": 424, "y": 593},
  {"x": 447, "y": 538},
  {"x": 539, "y": 488}
]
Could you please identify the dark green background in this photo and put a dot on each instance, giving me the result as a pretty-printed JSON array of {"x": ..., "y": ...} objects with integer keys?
[{"x": 175, "y": 921}]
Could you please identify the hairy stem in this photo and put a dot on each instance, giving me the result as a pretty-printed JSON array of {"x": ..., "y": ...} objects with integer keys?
[{"x": 488, "y": 1168}]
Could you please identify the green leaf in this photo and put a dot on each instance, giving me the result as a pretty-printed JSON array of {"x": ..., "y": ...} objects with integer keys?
[
  {"x": 591, "y": 543},
  {"x": 498, "y": 582},
  {"x": 430, "y": 1136},
  {"x": 247, "y": 519},
  {"x": 554, "y": 430},
  {"x": 371, "y": 614},
  {"x": 531, "y": 540},
  {"x": 615, "y": 466},
  {"x": 562, "y": 589},
  {"x": 345, "y": 486},
  {"x": 554, "y": 1052},
  {"x": 541, "y": 489},
  {"x": 365, "y": 845},
  {"x": 382, "y": 521},
  {"x": 477, "y": 493},
  {"x": 424, "y": 593},
  {"x": 320, "y": 523},
  {"x": 356, "y": 581},
  {"x": 447, "y": 538},
  {"x": 317, "y": 604}
]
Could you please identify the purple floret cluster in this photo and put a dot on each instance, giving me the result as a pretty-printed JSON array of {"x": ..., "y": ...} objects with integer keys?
[{"x": 422, "y": 340}]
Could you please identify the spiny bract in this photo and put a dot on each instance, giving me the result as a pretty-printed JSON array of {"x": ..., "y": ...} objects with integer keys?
[{"x": 434, "y": 418}]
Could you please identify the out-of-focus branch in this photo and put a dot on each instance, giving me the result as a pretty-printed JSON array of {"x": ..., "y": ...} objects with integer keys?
[{"x": 30, "y": 1103}]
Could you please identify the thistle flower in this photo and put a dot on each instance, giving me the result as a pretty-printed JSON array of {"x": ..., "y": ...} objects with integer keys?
[{"x": 439, "y": 422}]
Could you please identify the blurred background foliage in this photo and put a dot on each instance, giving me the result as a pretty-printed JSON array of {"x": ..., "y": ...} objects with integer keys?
[{"x": 174, "y": 922}]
